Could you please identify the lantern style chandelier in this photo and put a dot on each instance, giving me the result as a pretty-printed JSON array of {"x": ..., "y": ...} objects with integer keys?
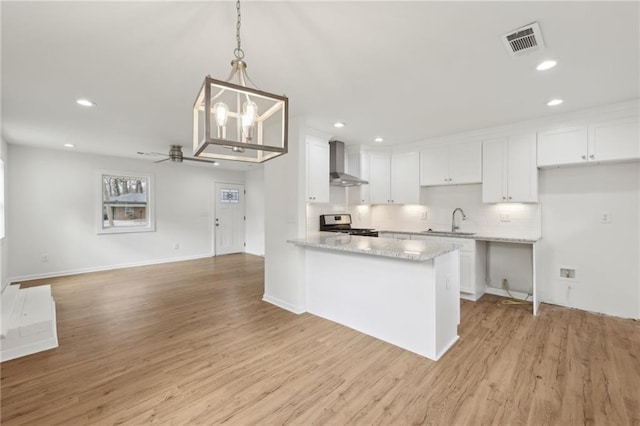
[{"x": 232, "y": 121}]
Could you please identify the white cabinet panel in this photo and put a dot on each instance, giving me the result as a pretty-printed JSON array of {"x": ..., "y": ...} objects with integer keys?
[
  {"x": 451, "y": 165},
  {"x": 509, "y": 172},
  {"x": 405, "y": 186},
  {"x": 562, "y": 146},
  {"x": 465, "y": 163},
  {"x": 494, "y": 167},
  {"x": 466, "y": 272},
  {"x": 358, "y": 165},
  {"x": 614, "y": 140},
  {"x": 380, "y": 178},
  {"x": 434, "y": 166},
  {"x": 317, "y": 170},
  {"x": 522, "y": 172}
]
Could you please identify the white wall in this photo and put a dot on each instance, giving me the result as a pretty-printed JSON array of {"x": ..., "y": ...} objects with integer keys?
[
  {"x": 52, "y": 210},
  {"x": 285, "y": 179},
  {"x": 254, "y": 208},
  {"x": 605, "y": 256},
  {"x": 4, "y": 243}
]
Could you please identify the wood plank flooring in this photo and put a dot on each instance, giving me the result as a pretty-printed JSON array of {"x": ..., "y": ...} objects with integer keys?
[{"x": 192, "y": 343}]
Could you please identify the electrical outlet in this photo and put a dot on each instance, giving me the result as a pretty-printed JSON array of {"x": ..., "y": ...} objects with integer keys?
[
  {"x": 45, "y": 258},
  {"x": 423, "y": 215},
  {"x": 568, "y": 273},
  {"x": 505, "y": 217},
  {"x": 176, "y": 246},
  {"x": 605, "y": 217}
]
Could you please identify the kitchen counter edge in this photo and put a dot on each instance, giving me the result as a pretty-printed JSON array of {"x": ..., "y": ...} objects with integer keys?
[{"x": 478, "y": 236}]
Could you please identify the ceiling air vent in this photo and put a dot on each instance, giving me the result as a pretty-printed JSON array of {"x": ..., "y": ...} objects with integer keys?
[{"x": 524, "y": 40}]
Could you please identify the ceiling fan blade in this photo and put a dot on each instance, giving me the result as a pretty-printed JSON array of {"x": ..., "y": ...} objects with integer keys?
[
  {"x": 160, "y": 161},
  {"x": 151, "y": 154},
  {"x": 199, "y": 159}
]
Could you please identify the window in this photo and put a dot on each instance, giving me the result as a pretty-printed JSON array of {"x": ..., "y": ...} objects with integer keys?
[
  {"x": 1, "y": 199},
  {"x": 229, "y": 196},
  {"x": 125, "y": 203}
]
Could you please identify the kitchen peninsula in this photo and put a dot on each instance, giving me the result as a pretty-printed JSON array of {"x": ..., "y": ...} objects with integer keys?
[{"x": 403, "y": 292}]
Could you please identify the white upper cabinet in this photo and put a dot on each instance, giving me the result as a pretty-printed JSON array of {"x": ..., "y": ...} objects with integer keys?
[
  {"x": 380, "y": 178},
  {"x": 562, "y": 146},
  {"x": 509, "y": 172},
  {"x": 358, "y": 165},
  {"x": 317, "y": 170},
  {"x": 394, "y": 179},
  {"x": 616, "y": 140},
  {"x": 451, "y": 165},
  {"x": 405, "y": 178}
]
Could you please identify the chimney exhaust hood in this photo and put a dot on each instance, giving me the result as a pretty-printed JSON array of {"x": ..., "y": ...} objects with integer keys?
[{"x": 337, "y": 176}]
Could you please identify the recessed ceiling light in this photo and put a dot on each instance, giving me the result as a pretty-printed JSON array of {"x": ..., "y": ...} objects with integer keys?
[
  {"x": 85, "y": 103},
  {"x": 546, "y": 65},
  {"x": 378, "y": 139},
  {"x": 215, "y": 163},
  {"x": 69, "y": 145},
  {"x": 338, "y": 124},
  {"x": 554, "y": 102}
]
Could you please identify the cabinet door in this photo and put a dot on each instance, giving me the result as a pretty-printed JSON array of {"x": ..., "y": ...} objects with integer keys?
[
  {"x": 562, "y": 146},
  {"x": 467, "y": 276},
  {"x": 522, "y": 176},
  {"x": 614, "y": 140},
  {"x": 434, "y": 166},
  {"x": 317, "y": 170},
  {"x": 405, "y": 178},
  {"x": 365, "y": 197},
  {"x": 379, "y": 178},
  {"x": 465, "y": 163},
  {"x": 358, "y": 165},
  {"x": 494, "y": 154}
]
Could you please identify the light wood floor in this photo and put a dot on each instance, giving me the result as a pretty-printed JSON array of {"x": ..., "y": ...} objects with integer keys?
[{"x": 192, "y": 342}]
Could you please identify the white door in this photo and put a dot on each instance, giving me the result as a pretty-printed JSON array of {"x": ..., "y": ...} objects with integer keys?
[
  {"x": 229, "y": 218},
  {"x": 522, "y": 182},
  {"x": 465, "y": 163},
  {"x": 405, "y": 178}
]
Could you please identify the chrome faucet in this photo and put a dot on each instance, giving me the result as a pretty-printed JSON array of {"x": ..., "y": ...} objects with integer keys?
[{"x": 453, "y": 219}]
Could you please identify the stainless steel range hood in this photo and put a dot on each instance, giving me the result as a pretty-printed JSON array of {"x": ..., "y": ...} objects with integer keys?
[{"x": 337, "y": 176}]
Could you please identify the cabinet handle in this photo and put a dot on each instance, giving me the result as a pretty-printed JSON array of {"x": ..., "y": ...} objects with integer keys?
[
  {"x": 584, "y": 157},
  {"x": 504, "y": 198},
  {"x": 592, "y": 156},
  {"x": 509, "y": 197},
  {"x": 445, "y": 179}
]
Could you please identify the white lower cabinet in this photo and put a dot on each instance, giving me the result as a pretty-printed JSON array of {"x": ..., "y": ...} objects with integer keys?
[{"x": 473, "y": 256}]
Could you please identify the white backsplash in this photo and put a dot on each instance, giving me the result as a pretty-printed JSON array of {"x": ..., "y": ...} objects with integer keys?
[{"x": 439, "y": 202}]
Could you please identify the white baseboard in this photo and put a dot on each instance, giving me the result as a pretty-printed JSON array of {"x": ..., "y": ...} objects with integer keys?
[
  {"x": 446, "y": 348},
  {"x": 105, "y": 268},
  {"x": 503, "y": 293},
  {"x": 282, "y": 304}
]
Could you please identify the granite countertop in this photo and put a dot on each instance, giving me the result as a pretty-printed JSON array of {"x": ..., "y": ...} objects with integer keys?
[
  {"x": 481, "y": 235},
  {"x": 415, "y": 250}
]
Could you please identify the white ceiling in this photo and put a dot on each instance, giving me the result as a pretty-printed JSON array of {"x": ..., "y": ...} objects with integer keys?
[{"x": 402, "y": 70}]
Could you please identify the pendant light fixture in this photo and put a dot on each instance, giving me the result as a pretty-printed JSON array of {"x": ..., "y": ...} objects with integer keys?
[{"x": 233, "y": 121}]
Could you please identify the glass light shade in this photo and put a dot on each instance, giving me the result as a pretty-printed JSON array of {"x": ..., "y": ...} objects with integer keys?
[{"x": 221, "y": 113}]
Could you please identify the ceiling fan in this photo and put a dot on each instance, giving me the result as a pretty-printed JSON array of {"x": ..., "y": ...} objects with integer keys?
[{"x": 175, "y": 155}]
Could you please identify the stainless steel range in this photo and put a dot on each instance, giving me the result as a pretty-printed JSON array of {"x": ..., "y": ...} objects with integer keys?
[{"x": 342, "y": 223}]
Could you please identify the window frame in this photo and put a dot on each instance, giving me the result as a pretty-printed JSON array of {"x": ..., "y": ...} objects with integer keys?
[{"x": 149, "y": 226}]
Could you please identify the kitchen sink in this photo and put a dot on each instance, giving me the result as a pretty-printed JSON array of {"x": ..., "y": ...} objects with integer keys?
[{"x": 448, "y": 233}]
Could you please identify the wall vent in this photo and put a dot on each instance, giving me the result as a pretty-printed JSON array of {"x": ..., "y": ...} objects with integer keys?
[{"x": 523, "y": 41}]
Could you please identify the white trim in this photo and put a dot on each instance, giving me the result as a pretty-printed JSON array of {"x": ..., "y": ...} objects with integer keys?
[
  {"x": 282, "y": 304},
  {"x": 106, "y": 268},
  {"x": 151, "y": 211},
  {"x": 503, "y": 293},
  {"x": 447, "y": 347}
]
